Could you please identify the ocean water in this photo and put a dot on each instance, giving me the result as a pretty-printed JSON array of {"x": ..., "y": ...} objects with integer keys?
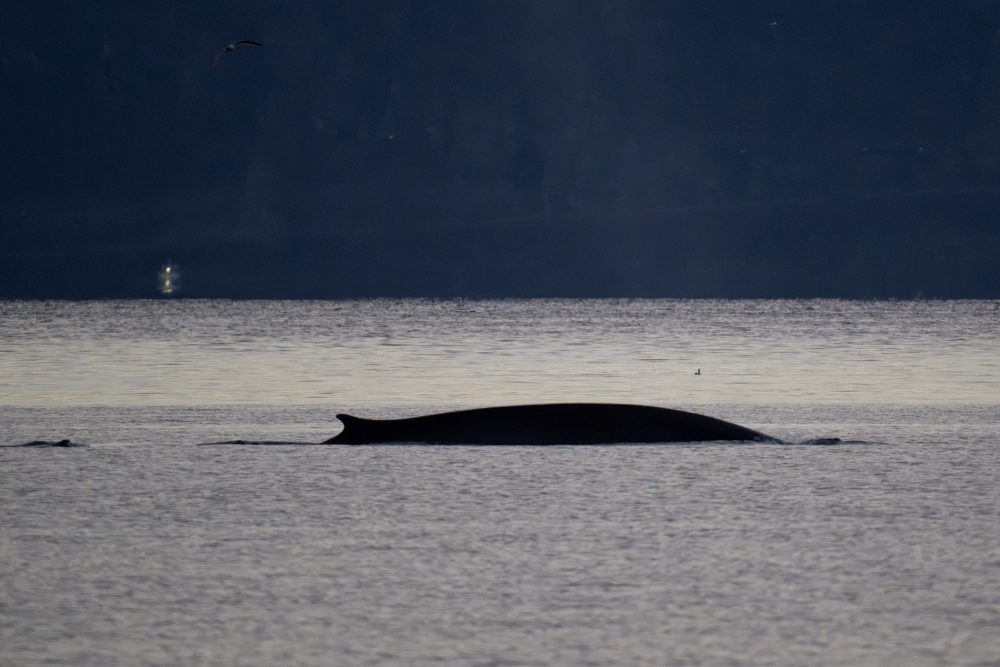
[{"x": 145, "y": 546}]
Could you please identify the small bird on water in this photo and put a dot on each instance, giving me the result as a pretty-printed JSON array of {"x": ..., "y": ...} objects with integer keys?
[
  {"x": 232, "y": 47},
  {"x": 698, "y": 372}
]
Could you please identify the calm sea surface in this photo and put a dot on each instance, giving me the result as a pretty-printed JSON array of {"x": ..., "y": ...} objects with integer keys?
[{"x": 145, "y": 547}]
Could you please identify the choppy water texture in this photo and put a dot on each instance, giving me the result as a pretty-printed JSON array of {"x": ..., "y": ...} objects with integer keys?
[{"x": 145, "y": 548}]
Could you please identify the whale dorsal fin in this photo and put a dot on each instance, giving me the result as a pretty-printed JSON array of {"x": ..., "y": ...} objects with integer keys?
[
  {"x": 354, "y": 430},
  {"x": 348, "y": 420}
]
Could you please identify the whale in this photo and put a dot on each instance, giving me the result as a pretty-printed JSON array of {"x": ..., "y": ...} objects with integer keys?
[{"x": 546, "y": 424}]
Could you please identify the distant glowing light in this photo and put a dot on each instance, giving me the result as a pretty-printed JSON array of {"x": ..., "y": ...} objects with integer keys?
[{"x": 168, "y": 279}]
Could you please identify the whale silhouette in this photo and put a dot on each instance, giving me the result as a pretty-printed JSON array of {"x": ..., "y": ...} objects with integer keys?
[{"x": 545, "y": 424}]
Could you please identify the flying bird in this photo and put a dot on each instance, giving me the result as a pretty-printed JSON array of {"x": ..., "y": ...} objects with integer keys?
[{"x": 233, "y": 47}]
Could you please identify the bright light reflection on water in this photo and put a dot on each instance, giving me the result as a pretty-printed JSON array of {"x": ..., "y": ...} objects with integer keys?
[{"x": 464, "y": 352}]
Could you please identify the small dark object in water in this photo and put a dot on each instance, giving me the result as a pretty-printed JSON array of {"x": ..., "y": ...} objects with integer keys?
[
  {"x": 47, "y": 443},
  {"x": 546, "y": 424},
  {"x": 823, "y": 441}
]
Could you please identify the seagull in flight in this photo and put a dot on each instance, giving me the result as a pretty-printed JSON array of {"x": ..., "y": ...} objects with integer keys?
[{"x": 232, "y": 47}]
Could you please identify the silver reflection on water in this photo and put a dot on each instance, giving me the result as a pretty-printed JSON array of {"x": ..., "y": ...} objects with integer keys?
[{"x": 469, "y": 353}]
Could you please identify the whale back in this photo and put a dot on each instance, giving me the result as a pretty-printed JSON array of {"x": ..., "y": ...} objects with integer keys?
[{"x": 545, "y": 424}]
